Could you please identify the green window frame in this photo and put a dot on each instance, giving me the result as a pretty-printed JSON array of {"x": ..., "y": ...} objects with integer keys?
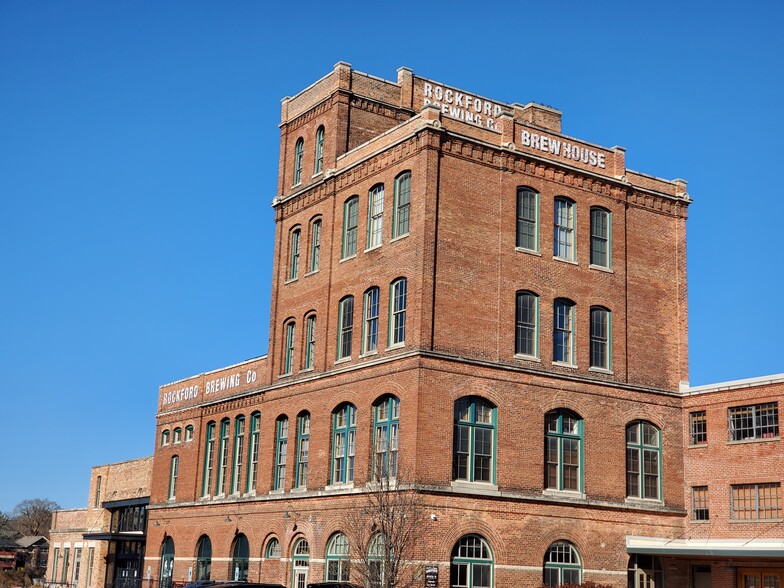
[
  {"x": 474, "y": 440},
  {"x": 177, "y": 435},
  {"x": 527, "y": 324},
  {"x": 643, "y": 461},
  {"x": 303, "y": 449},
  {"x": 66, "y": 563},
  {"x": 375, "y": 229},
  {"x": 601, "y": 237},
  {"x": 209, "y": 458},
  {"x": 253, "y": 451},
  {"x": 188, "y": 433},
  {"x": 167, "y": 562},
  {"x": 601, "y": 338},
  {"x": 294, "y": 243},
  {"x": 563, "y": 229},
  {"x": 344, "y": 435},
  {"x": 401, "y": 205},
  {"x": 527, "y": 228},
  {"x": 299, "y": 151},
  {"x": 337, "y": 560},
  {"x": 563, "y": 331},
  {"x": 203, "y": 558},
  {"x": 273, "y": 549},
  {"x": 223, "y": 458},
  {"x": 319, "y": 151},
  {"x": 398, "y": 293},
  {"x": 165, "y": 437},
  {"x": 315, "y": 245},
  {"x": 288, "y": 348},
  {"x": 90, "y": 558},
  {"x": 350, "y": 223},
  {"x": 370, "y": 320},
  {"x": 281, "y": 451},
  {"x": 471, "y": 563},
  {"x": 239, "y": 454},
  {"x": 386, "y": 434},
  {"x": 563, "y": 434},
  {"x": 380, "y": 561},
  {"x": 55, "y": 560},
  {"x": 310, "y": 341},
  {"x": 174, "y": 472},
  {"x": 300, "y": 556},
  {"x": 240, "y": 555},
  {"x": 562, "y": 565},
  {"x": 345, "y": 327}
]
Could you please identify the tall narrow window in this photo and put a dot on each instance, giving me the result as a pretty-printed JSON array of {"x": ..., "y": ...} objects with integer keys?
[
  {"x": 397, "y": 312},
  {"x": 319, "y": 151},
  {"x": 601, "y": 338},
  {"x": 209, "y": 459},
  {"x": 294, "y": 254},
  {"x": 563, "y": 239},
  {"x": 281, "y": 449},
  {"x": 699, "y": 503},
  {"x": 345, "y": 327},
  {"x": 300, "y": 557},
  {"x": 370, "y": 322},
  {"x": 338, "y": 558},
  {"x": 344, "y": 430},
  {"x": 350, "y": 219},
  {"x": 55, "y": 560},
  {"x": 240, "y": 554},
  {"x": 97, "y": 500},
  {"x": 380, "y": 561},
  {"x": 471, "y": 565},
  {"x": 402, "y": 205},
  {"x": 253, "y": 451},
  {"x": 288, "y": 349},
  {"x": 643, "y": 461},
  {"x": 310, "y": 342},
  {"x": 375, "y": 215},
  {"x": 204, "y": 558},
  {"x": 77, "y": 566},
  {"x": 303, "y": 449},
  {"x": 563, "y": 331},
  {"x": 562, "y": 565},
  {"x": 90, "y": 558},
  {"x": 66, "y": 563},
  {"x": 223, "y": 457},
  {"x": 527, "y": 324},
  {"x": 527, "y": 219},
  {"x": 299, "y": 150},
  {"x": 563, "y": 450},
  {"x": 177, "y": 435},
  {"x": 165, "y": 437},
  {"x": 474, "y": 440},
  {"x": 239, "y": 454},
  {"x": 167, "y": 562},
  {"x": 601, "y": 230},
  {"x": 386, "y": 425},
  {"x": 698, "y": 428},
  {"x": 174, "y": 471},
  {"x": 273, "y": 549},
  {"x": 315, "y": 245}
]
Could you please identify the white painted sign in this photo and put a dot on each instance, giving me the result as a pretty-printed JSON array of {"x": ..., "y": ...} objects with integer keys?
[
  {"x": 563, "y": 149},
  {"x": 462, "y": 106},
  {"x": 211, "y": 387}
]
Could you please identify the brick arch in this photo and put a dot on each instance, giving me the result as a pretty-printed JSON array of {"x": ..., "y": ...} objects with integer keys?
[
  {"x": 287, "y": 546},
  {"x": 562, "y": 533},
  {"x": 385, "y": 389},
  {"x": 480, "y": 389},
  {"x": 642, "y": 413},
  {"x": 202, "y": 532},
  {"x": 342, "y": 397},
  {"x": 269, "y": 536},
  {"x": 567, "y": 404},
  {"x": 471, "y": 526}
]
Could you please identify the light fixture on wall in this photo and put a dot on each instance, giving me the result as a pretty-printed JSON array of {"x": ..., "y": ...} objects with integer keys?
[{"x": 227, "y": 519}]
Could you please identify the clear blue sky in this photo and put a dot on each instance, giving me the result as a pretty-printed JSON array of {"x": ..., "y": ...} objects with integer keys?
[{"x": 138, "y": 160}]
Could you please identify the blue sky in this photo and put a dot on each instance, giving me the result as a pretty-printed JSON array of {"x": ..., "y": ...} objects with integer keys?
[{"x": 139, "y": 153}]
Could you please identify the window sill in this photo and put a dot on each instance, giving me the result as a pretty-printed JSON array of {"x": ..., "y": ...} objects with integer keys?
[
  {"x": 700, "y": 522},
  {"x": 299, "y": 489},
  {"x": 528, "y": 251},
  {"x": 564, "y": 260},
  {"x": 339, "y": 487},
  {"x": 343, "y": 360},
  {"x": 317, "y": 174},
  {"x": 601, "y": 370},
  {"x": 755, "y": 440},
  {"x": 369, "y": 249},
  {"x": 275, "y": 492},
  {"x": 342, "y": 259},
  {"x": 527, "y": 357},
  {"x": 564, "y": 364},
  {"x": 754, "y": 521},
  {"x": 601, "y": 268},
  {"x": 306, "y": 370},
  {"x": 563, "y": 493},
  {"x": 310, "y": 273},
  {"x": 369, "y": 353},
  {"x": 289, "y": 281},
  {"x": 698, "y": 446},
  {"x": 475, "y": 487},
  {"x": 395, "y": 346},
  {"x": 399, "y": 237},
  {"x": 643, "y": 501}
]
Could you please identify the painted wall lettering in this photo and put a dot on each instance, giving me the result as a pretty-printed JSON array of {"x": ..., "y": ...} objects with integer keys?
[
  {"x": 462, "y": 106},
  {"x": 563, "y": 149}
]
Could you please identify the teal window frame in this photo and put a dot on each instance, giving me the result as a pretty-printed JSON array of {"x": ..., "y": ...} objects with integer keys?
[
  {"x": 272, "y": 551},
  {"x": 337, "y": 566},
  {"x": 561, "y": 561},
  {"x": 300, "y": 560},
  {"x": 188, "y": 433},
  {"x": 398, "y": 297},
  {"x": 97, "y": 497},
  {"x": 643, "y": 461},
  {"x": 223, "y": 458},
  {"x": 165, "y": 437},
  {"x": 475, "y": 419},
  {"x": 203, "y": 558},
  {"x": 375, "y": 225},
  {"x": 294, "y": 249},
  {"x": 471, "y": 564},
  {"x": 66, "y": 562},
  {"x": 55, "y": 561},
  {"x": 310, "y": 342},
  {"x": 299, "y": 151},
  {"x": 176, "y": 435},
  {"x": 345, "y": 327},
  {"x": 209, "y": 458},
  {"x": 174, "y": 470},
  {"x": 401, "y": 205},
  {"x": 344, "y": 437},
  {"x": 601, "y": 237},
  {"x": 319, "y": 160},
  {"x": 527, "y": 227},
  {"x": 167, "y": 562},
  {"x": 601, "y": 338},
  {"x": 564, "y": 458},
  {"x": 315, "y": 245},
  {"x": 288, "y": 348},
  {"x": 526, "y": 324},
  {"x": 239, "y": 454},
  {"x": 380, "y": 560},
  {"x": 386, "y": 436},
  {"x": 90, "y": 558},
  {"x": 253, "y": 451},
  {"x": 564, "y": 223},
  {"x": 303, "y": 450},
  {"x": 240, "y": 556},
  {"x": 370, "y": 312},
  {"x": 350, "y": 227},
  {"x": 281, "y": 451},
  {"x": 563, "y": 331}
]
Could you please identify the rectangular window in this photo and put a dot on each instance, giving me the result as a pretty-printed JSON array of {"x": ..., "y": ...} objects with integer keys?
[
  {"x": 90, "y": 556},
  {"x": 315, "y": 245},
  {"x": 563, "y": 332},
  {"x": 66, "y": 563},
  {"x": 299, "y": 150},
  {"x": 77, "y": 565},
  {"x": 253, "y": 459},
  {"x": 563, "y": 239},
  {"x": 319, "y": 150},
  {"x": 294, "y": 255},
  {"x": 173, "y": 473},
  {"x": 600, "y": 338},
  {"x": 600, "y": 237},
  {"x": 375, "y": 215},
  {"x": 699, "y": 503},
  {"x": 755, "y": 501},
  {"x": 288, "y": 351},
  {"x": 526, "y": 324},
  {"x": 400, "y": 221},
  {"x": 345, "y": 327},
  {"x": 55, "y": 559},
  {"x": 527, "y": 219},
  {"x": 698, "y": 428},
  {"x": 281, "y": 449},
  {"x": 370, "y": 326},
  {"x": 350, "y": 220},
  {"x": 310, "y": 342},
  {"x": 209, "y": 459},
  {"x": 303, "y": 448},
  {"x": 223, "y": 459},
  {"x": 397, "y": 305},
  {"x": 239, "y": 454},
  {"x": 97, "y": 500},
  {"x": 757, "y": 421}
]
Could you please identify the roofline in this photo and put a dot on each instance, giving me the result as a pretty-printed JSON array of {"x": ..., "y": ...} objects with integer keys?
[
  {"x": 735, "y": 384},
  {"x": 220, "y": 369}
]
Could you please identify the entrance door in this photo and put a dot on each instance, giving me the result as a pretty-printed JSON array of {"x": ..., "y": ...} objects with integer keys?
[{"x": 300, "y": 576}]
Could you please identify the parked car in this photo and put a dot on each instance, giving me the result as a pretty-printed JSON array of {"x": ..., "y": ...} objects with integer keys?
[{"x": 332, "y": 585}]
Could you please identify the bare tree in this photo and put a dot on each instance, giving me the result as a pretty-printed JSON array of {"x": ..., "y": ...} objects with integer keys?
[
  {"x": 384, "y": 533},
  {"x": 33, "y": 516}
]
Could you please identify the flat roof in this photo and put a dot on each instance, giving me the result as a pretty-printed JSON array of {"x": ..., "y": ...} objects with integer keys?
[{"x": 735, "y": 384}]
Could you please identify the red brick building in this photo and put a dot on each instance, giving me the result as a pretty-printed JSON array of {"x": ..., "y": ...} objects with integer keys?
[{"x": 483, "y": 308}]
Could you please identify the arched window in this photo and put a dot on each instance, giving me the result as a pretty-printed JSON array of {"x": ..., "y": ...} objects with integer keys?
[
  {"x": 643, "y": 461},
  {"x": 240, "y": 553},
  {"x": 223, "y": 457},
  {"x": 370, "y": 320},
  {"x": 337, "y": 558},
  {"x": 203, "y": 558},
  {"x": 165, "y": 437},
  {"x": 350, "y": 220},
  {"x": 345, "y": 327},
  {"x": 315, "y": 245},
  {"x": 288, "y": 348},
  {"x": 209, "y": 459},
  {"x": 319, "y": 150},
  {"x": 273, "y": 549},
  {"x": 471, "y": 563},
  {"x": 527, "y": 324},
  {"x": 379, "y": 561},
  {"x": 299, "y": 150},
  {"x": 527, "y": 233},
  {"x": 563, "y": 331},
  {"x": 563, "y": 448},
  {"x": 375, "y": 215},
  {"x": 398, "y": 292},
  {"x": 177, "y": 436},
  {"x": 300, "y": 557},
  {"x": 402, "y": 205},
  {"x": 253, "y": 451},
  {"x": 167, "y": 562},
  {"x": 239, "y": 454},
  {"x": 601, "y": 338},
  {"x": 174, "y": 472},
  {"x": 344, "y": 428},
  {"x": 601, "y": 231},
  {"x": 474, "y": 440},
  {"x": 562, "y": 564},
  {"x": 281, "y": 451},
  {"x": 303, "y": 449},
  {"x": 310, "y": 342},
  {"x": 294, "y": 242},
  {"x": 563, "y": 225},
  {"x": 189, "y": 433},
  {"x": 386, "y": 426}
]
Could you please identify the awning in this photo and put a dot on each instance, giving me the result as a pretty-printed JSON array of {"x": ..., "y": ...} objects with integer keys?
[{"x": 773, "y": 548}]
